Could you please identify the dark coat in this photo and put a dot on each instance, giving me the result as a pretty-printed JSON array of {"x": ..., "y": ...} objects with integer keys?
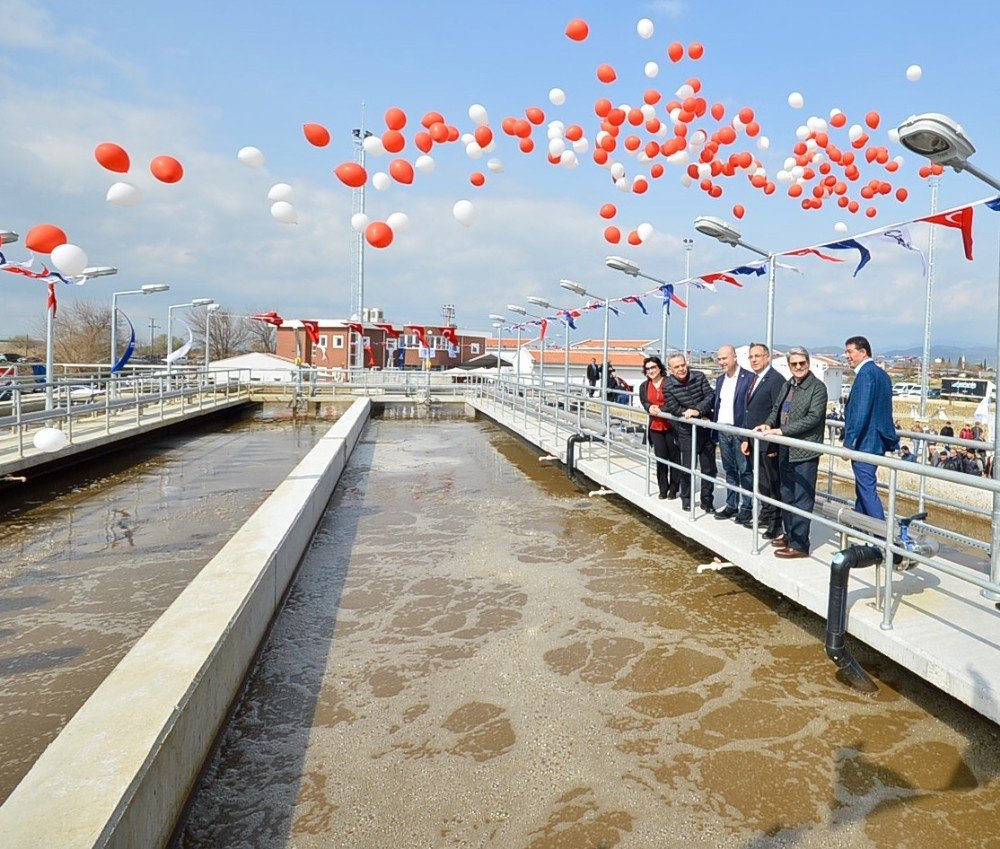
[
  {"x": 696, "y": 394},
  {"x": 760, "y": 404},
  {"x": 744, "y": 378},
  {"x": 807, "y": 417}
]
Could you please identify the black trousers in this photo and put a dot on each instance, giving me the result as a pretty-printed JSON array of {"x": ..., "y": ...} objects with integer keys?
[
  {"x": 769, "y": 483},
  {"x": 705, "y": 450},
  {"x": 665, "y": 448}
]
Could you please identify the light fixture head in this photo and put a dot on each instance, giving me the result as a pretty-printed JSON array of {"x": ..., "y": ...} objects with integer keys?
[
  {"x": 202, "y": 302},
  {"x": 725, "y": 232},
  {"x": 575, "y": 288},
  {"x": 619, "y": 263},
  {"x": 213, "y": 307},
  {"x": 99, "y": 271},
  {"x": 538, "y": 302},
  {"x": 8, "y": 237},
  {"x": 496, "y": 317},
  {"x": 936, "y": 137},
  {"x": 150, "y": 288},
  {"x": 517, "y": 309}
]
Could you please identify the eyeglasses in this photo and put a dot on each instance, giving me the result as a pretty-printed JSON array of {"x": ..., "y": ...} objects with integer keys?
[
  {"x": 647, "y": 368},
  {"x": 798, "y": 363}
]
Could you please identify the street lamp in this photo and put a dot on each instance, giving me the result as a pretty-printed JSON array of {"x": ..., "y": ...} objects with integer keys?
[
  {"x": 197, "y": 302},
  {"x": 89, "y": 272},
  {"x": 358, "y": 248},
  {"x": 148, "y": 289},
  {"x": 209, "y": 309},
  {"x": 577, "y": 289},
  {"x": 728, "y": 234},
  {"x": 8, "y": 237},
  {"x": 541, "y": 340},
  {"x": 545, "y": 305},
  {"x": 943, "y": 141},
  {"x": 498, "y": 322},
  {"x": 626, "y": 266}
]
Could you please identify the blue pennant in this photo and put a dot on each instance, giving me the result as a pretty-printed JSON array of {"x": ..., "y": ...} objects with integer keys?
[{"x": 851, "y": 245}]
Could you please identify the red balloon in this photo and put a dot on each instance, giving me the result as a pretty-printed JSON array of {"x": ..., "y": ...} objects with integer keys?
[
  {"x": 871, "y": 212},
  {"x": 432, "y": 118},
  {"x": 526, "y": 145},
  {"x": 477, "y": 178},
  {"x": 633, "y": 238},
  {"x": 838, "y": 120},
  {"x": 606, "y": 74},
  {"x": 651, "y": 96},
  {"x": 395, "y": 118},
  {"x": 600, "y": 156},
  {"x": 925, "y": 171},
  {"x": 393, "y": 141},
  {"x": 43, "y": 238},
  {"x": 112, "y": 156},
  {"x": 901, "y": 195},
  {"x": 577, "y": 29},
  {"x": 574, "y": 132},
  {"x": 378, "y": 234},
  {"x": 484, "y": 135},
  {"x": 656, "y": 171},
  {"x": 640, "y": 185},
  {"x": 453, "y": 133},
  {"x": 522, "y": 128},
  {"x": 534, "y": 114},
  {"x": 632, "y": 143},
  {"x": 401, "y": 171},
  {"x": 675, "y": 51},
  {"x": 635, "y": 117},
  {"x": 746, "y": 114},
  {"x": 718, "y": 110},
  {"x": 613, "y": 235},
  {"x": 438, "y": 132},
  {"x": 609, "y": 210},
  {"x": 602, "y": 107},
  {"x": 316, "y": 134},
  {"x": 423, "y": 141},
  {"x": 696, "y": 50},
  {"x": 351, "y": 174},
  {"x": 872, "y": 119},
  {"x": 166, "y": 169}
]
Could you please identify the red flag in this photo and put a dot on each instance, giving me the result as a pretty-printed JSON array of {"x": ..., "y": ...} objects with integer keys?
[
  {"x": 369, "y": 354},
  {"x": 545, "y": 326},
  {"x": 312, "y": 328},
  {"x": 269, "y": 318},
  {"x": 960, "y": 218},
  {"x": 419, "y": 330},
  {"x": 805, "y": 251},
  {"x": 357, "y": 327},
  {"x": 52, "y": 298},
  {"x": 390, "y": 330},
  {"x": 449, "y": 334},
  {"x": 711, "y": 278}
]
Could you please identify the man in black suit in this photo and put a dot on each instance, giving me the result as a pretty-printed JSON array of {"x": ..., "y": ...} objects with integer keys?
[
  {"x": 593, "y": 375},
  {"x": 761, "y": 397}
]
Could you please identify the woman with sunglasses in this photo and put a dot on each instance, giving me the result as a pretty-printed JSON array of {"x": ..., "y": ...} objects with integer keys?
[
  {"x": 652, "y": 397},
  {"x": 799, "y": 412}
]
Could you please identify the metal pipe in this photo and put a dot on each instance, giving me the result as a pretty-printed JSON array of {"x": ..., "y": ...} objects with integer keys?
[
  {"x": 570, "y": 444},
  {"x": 995, "y": 538},
  {"x": 769, "y": 326}
]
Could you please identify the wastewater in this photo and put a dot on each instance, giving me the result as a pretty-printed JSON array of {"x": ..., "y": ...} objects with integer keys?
[
  {"x": 475, "y": 653},
  {"x": 90, "y": 557}
]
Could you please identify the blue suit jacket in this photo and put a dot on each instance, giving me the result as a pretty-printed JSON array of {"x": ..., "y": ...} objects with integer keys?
[
  {"x": 744, "y": 380},
  {"x": 868, "y": 424}
]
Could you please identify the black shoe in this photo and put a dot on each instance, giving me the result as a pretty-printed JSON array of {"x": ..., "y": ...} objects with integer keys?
[
  {"x": 671, "y": 493},
  {"x": 707, "y": 507},
  {"x": 745, "y": 518},
  {"x": 772, "y": 533},
  {"x": 663, "y": 496},
  {"x": 728, "y": 513},
  {"x": 685, "y": 505}
]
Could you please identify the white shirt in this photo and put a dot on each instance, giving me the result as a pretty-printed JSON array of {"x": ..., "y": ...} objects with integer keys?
[
  {"x": 862, "y": 364},
  {"x": 727, "y": 397}
]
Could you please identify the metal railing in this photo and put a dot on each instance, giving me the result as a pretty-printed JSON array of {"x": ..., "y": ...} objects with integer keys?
[{"x": 553, "y": 407}]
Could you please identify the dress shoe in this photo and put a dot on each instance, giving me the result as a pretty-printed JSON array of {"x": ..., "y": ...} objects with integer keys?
[
  {"x": 671, "y": 493},
  {"x": 745, "y": 518},
  {"x": 790, "y": 553},
  {"x": 780, "y": 542},
  {"x": 685, "y": 505},
  {"x": 708, "y": 508},
  {"x": 728, "y": 513},
  {"x": 663, "y": 496}
]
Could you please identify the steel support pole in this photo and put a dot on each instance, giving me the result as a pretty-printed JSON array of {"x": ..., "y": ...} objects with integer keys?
[
  {"x": 769, "y": 327},
  {"x": 995, "y": 539},
  {"x": 925, "y": 360},
  {"x": 49, "y": 355},
  {"x": 605, "y": 415}
]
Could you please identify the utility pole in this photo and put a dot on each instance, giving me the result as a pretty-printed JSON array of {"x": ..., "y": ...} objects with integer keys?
[
  {"x": 152, "y": 335},
  {"x": 448, "y": 312},
  {"x": 358, "y": 246}
]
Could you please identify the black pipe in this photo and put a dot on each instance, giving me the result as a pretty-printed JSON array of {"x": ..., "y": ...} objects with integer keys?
[
  {"x": 849, "y": 671},
  {"x": 573, "y": 440}
]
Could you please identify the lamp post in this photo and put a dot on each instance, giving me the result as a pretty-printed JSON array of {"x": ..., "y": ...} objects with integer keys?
[
  {"x": 541, "y": 364},
  {"x": 577, "y": 289},
  {"x": 94, "y": 271},
  {"x": 498, "y": 322},
  {"x": 358, "y": 245},
  {"x": 545, "y": 305},
  {"x": 197, "y": 302},
  {"x": 626, "y": 266},
  {"x": 688, "y": 246},
  {"x": 730, "y": 235},
  {"x": 208, "y": 336},
  {"x": 148, "y": 289},
  {"x": 943, "y": 141}
]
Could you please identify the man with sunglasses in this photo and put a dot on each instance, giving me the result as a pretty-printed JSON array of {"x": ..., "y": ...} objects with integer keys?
[
  {"x": 689, "y": 396},
  {"x": 799, "y": 412}
]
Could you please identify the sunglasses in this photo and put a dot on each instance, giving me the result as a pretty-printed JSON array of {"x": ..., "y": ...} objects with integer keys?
[
  {"x": 649, "y": 368},
  {"x": 798, "y": 363}
]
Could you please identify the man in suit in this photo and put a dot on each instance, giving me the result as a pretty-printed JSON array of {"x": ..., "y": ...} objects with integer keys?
[
  {"x": 761, "y": 398},
  {"x": 593, "y": 375},
  {"x": 731, "y": 388},
  {"x": 868, "y": 424}
]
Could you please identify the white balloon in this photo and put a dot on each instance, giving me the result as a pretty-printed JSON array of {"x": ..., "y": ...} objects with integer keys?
[
  {"x": 554, "y": 132},
  {"x": 914, "y": 73},
  {"x": 898, "y": 160},
  {"x": 802, "y": 132},
  {"x": 359, "y": 221},
  {"x": 763, "y": 143},
  {"x": 685, "y": 91},
  {"x": 783, "y": 176},
  {"x": 685, "y": 179},
  {"x": 252, "y": 157},
  {"x": 557, "y": 97},
  {"x": 682, "y": 157},
  {"x": 834, "y": 112},
  {"x": 473, "y": 150},
  {"x": 463, "y": 212},
  {"x": 704, "y": 169},
  {"x": 495, "y": 166},
  {"x": 617, "y": 170},
  {"x": 622, "y": 184},
  {"x": 855, "y": 132},
  {"x": 281, "y": 191},
  {"x": 424, "y": 163},
  {"x": 50, "y": 440},
  {"x": 581, "y": 146},
  {"x": 467, "y": 139},
  {"x": 69, "y": 260},
  {"x": 675, "y": 114},
  {"x": 648, "y": 111},
  {"x": 797, "y": 172},
  {"x": 840, "y": 227},
  {"x": 789, "y": 163},
  {"x": 477, "y": 114},
  {"x": 373, "y": 146},
  {"x": 644, "y": 231},
  {"x": 795, "y": 100},
  {"x": 284, "y": 212},
  {"x": 399, "y": 222},
  {"x": 381, "y": 181},
  {"x": 556, "y": 147},
  {"x": 644, "y": 28},
  {"x": 651, "y": 69},
  {"x": 123, "y": 194},
  {"x": 698, "y": 138},
  {"x": 568, "y": 159}
]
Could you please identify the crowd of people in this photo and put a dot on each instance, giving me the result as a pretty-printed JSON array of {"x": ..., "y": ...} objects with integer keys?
[{"x": 761, "y": 400}]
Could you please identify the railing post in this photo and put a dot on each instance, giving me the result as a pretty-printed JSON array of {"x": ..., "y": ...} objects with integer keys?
[
  {"x": 691, "y": 470},
  {"x": 890, "y": 526},
  {"x": 755, "y": 503}
]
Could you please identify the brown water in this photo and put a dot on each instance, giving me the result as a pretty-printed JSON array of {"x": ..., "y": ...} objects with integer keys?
[
  {"x": 476, "y": 654},
  {"x": 90, "y": 558}
]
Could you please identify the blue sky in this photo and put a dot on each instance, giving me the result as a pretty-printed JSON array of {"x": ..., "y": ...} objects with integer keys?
[{"x": 199, "y": 81}]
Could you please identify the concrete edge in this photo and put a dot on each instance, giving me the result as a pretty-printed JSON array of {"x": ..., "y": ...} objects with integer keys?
[{"x": 119, "y": 773}]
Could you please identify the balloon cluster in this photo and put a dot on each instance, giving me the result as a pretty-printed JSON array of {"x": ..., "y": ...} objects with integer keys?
[
  {"x": 280, "y": 195},
  {"x": 69, "y": 260},
  {"x": 115, "y": 158}
]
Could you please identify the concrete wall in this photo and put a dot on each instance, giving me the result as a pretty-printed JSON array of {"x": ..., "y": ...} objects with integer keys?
[{"x": 120, "y": 771}]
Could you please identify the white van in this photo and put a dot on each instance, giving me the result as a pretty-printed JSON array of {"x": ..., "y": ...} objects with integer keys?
[{"x": 906, "y": 390}]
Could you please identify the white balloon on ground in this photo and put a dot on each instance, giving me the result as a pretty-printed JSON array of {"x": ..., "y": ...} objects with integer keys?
[
  {"x": 123, "y": 194},
  {"x": 840, "y": 227},
  {"x": 284, "y": 212},
  {"x": 644, "y": 231},
  {"x": 495, "y": 165},
  {"x": 252, "y": 157},
  {"x": 359, "y": 221},
  {"x": 478, "y": 114},
  {"x": 281, "y": 191},
  {"x": 651, "y": 69},
  {"x": 557, "y": 97},
  {"x": 49, "y": 440},
  {"x": 399, "y": 222},
  {"x": 69, "y": 260},
  {"x": 381, "y": 180},
  {"x": 914, "y": 73},
  {"x": 424, "y": 163},
  {"x": 373, "y": 146},
  {"x": 644, "y": 28},
  {"x": 464, "y": 212},
  {"x": 795, "y": 100}
]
